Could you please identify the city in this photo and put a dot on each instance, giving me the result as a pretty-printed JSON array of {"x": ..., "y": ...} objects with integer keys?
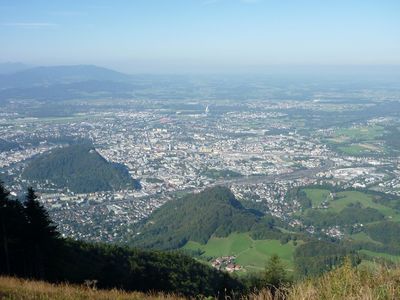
[{"x": 252, "y": 147}]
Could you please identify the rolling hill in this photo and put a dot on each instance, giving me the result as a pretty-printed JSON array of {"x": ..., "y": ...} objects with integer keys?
[
  {"x": 79, "y": 168},
  {"x": 198, "y": 217}
]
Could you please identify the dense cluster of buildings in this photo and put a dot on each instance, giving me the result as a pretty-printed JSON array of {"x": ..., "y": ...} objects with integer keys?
[{"x": 226, "y": 263}]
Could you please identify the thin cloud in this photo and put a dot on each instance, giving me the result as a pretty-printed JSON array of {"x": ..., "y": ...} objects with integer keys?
[
  {"x": 30, "y": 25},
  {"x": 68, "y": 13}
]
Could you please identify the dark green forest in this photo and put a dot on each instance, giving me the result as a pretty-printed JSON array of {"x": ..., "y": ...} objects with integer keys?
[
  {"x": 197, "y": 217},
  {"x": 316, "y": 257},
  {"x": 81, "y": 169}
]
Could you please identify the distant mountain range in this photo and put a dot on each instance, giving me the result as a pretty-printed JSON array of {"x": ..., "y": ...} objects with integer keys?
[
  {"x": 79, "y": 168},
  {"x": 66, "y": 91},
  {"x": 58, "y": 83},
  {"x": 46, "y": 76}
]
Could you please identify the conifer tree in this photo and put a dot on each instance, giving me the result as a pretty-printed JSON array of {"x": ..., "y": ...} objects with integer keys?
[
  {"x": 12, "y": 226},
  {"x": 41, "y": 232},
  {"x": 275, "y": 274},
  {"x": 3, "y": 229}
]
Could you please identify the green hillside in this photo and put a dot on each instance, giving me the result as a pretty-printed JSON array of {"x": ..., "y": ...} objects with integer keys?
[
  {"x": 79, "y": 168},
  {"x": 197, "y": 217},
  {"x": 250, "y": 254},
  {"x": 369, "y": 221},
  {"x": 213, "y": 224}
]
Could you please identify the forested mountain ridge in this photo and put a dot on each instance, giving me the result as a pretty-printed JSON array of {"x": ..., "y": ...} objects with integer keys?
[
  {"x": 79, "y": 168},
  {"x": 197, "y": 217}
]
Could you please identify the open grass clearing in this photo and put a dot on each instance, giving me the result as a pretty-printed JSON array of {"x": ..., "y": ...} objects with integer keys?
[{"x": 251, "y": 254}]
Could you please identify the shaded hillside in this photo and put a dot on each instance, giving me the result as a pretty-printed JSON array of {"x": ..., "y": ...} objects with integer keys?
[
  {"x": 197, "y": 217},
  {"x": 140, "y": 270},
  {"x": 79, "y": 168}
]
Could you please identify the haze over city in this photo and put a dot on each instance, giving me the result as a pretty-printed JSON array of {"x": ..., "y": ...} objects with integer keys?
[{"x": 175, "y": 36}]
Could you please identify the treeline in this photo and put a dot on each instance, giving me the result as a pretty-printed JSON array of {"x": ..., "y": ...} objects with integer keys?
[
  {"x": 386, "y": 234},
  {"x": 352, "y": 214},
  {"x": 31, "y": 247},
  {"x": 316, "y": 257}
]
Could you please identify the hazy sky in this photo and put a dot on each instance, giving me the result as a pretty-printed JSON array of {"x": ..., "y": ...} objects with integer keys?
[{"x": 173, "y": 35}]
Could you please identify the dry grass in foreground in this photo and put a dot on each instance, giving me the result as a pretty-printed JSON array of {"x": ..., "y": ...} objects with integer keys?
[
  {"x": 345, "y": 282},
  {"x": 16, "y": 289}
]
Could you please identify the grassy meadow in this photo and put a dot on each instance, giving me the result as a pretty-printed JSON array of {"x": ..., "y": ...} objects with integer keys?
[
  {"x": 358, "y": 140},
  {"x": 251, "y": 254},
  {"x": 343, "y": 199}
]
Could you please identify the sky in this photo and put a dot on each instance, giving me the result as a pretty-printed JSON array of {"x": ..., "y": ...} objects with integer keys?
[{"x": 200, "y": 35}]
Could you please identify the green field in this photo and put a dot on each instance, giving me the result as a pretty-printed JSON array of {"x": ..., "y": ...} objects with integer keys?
[
  {"x": 363, "y": 237},
  {"x": 353, "y": 149},
  {"x": 317, "y": 196},
  {"x": 343, "y": 199},
  {"x": 251, "y": 254},
  {"x": 357, "y": 140},
  {"x": 364, "y": 133}
]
